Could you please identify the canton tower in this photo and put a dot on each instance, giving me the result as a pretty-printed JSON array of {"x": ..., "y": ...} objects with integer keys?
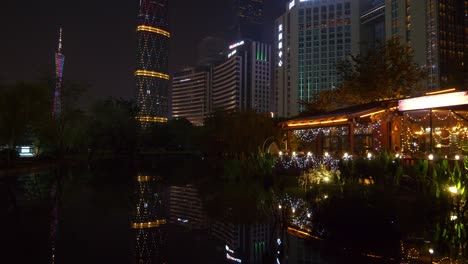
[
  {"x": 152, "y": 73},
  {"x": 59, "y": 60}
]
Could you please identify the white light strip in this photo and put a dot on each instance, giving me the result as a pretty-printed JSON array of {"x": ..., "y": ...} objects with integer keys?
[{"x": 433, "y": 101}]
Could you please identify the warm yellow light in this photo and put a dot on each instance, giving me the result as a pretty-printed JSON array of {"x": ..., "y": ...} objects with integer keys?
[
  {"x": 309, "y": 153},
  {"x": 430, "y": 157},
  {"x": 373, "y": 113},
  {"x": 280, "y": 153},
  {"x": 441, "y": 91},
  {"x": 326, "y": 154},
  {"x": 144, "y": 178},
  {"x": 152, "y": 74},
  {"x": 154, "y": 30},
  {"x": 143, "y": 225},
  {"x": 431, "y": 251},
  {"x": 294, "y": 153},
  {"x": 153, "y": 119},
  {"x": 317, "y": 122},
  {"x": 397, "y": 155},
  {"x": 369, "y": 155},
  {"x": 326, "y": 179},
  {"x": 453, "y": 189},
  {"x": 457, "y": 157}
]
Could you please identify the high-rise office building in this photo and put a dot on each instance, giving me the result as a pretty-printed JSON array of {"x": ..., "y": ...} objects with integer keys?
[
  {"x": 437, "y": 32},
  {"x": 191, "y": 90},
  {"x": 243, "y": 81},
  {"x": 249, "y": 20},
  {"x": 372, "y": 30},
  {"x": 152, "y": 73},
  {"x": 312, "y": 37}
]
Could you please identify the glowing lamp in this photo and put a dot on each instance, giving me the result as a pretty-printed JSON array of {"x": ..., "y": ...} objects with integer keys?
[
  {"x": 433, "y": 101},
  {"x": 457, "y": 157},
  {"x": 453, "y": 189},
  {"x": 280, "y": 153},
  {"x": 430, "y": 157},
  {"x": 369, "y": 155},
  {"x": 326, "y": 154},
  {"x": 309, "y": 154}
]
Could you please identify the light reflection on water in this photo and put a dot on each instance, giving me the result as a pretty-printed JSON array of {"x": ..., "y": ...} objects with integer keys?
[{"x": 112, "y": 213}]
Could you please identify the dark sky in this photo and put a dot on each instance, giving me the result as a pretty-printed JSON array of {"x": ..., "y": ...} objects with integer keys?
[{"x": 100, "y": 38}]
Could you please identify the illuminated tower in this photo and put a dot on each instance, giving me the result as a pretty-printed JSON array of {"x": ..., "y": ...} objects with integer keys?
[
  {"x": 148, "y": 222},
  {"x": 151, "y": 73},
  {"x": 59, "y": 60}
]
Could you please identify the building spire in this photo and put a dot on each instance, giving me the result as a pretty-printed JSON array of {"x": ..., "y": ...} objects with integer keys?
[{"x": 60, "y": 42}]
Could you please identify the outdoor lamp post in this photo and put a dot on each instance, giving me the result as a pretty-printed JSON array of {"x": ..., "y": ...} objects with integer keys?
[{"x": 431, "y": 251}]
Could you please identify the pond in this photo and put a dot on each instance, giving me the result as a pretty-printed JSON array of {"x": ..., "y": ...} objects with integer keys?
[{"x": 150, "y": 212}]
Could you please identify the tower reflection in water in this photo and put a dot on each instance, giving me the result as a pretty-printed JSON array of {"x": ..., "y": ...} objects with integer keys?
[{"x": 148, "y": 221}]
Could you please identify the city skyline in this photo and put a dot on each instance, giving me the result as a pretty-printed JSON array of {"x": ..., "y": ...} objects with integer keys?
[{"x": 101, "y": 40}]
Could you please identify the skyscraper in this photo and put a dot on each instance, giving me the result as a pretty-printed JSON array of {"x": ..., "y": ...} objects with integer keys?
[
  {"x": 191, "y": 90},
  {"x": 152, "y": 73},
  {"x": 243, "y": 81},
  {"x": 312, "y": 38},
  {"x": 249, "y": 19},
  {"x": 59, "y": 60},
  {"x": 437, "y": 32}
]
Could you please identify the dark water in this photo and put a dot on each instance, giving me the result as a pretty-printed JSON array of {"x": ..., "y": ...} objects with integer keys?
[{"x": 120, "y": 212}]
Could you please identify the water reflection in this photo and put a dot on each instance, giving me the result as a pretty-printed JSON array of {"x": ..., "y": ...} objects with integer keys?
[{"x": 148, "y": 221}]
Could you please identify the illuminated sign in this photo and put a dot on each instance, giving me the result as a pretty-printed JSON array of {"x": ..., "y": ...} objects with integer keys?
[
  {"x": 237, "y": 44},
  {"x": 232, "y": 53},
  {"x": 280, "y": 43},
  {"x": 291, "y": 4},
  {"x": 433, "y": 101}
]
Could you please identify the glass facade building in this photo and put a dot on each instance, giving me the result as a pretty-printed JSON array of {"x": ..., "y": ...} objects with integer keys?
[
  {"x": 312, "y": 38},
  {"x": 437, "y": 32},
  {"x": 152, "y": 73}
]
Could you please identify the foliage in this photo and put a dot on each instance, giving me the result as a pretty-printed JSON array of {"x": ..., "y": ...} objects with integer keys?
[
  {"x": 389, "y": 72},
  {"x": 175, "y": 134},
  {"x": 236, "y": 134},
  {"x": 113, "y": 126}
]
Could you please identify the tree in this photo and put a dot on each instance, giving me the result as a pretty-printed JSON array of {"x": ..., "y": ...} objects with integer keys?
[
  {"x": 389, "y": 72},
  {"x": 22, "y": 107},
  {"x": 238, "y": 134},
  {"x": 113, "y": 126}
]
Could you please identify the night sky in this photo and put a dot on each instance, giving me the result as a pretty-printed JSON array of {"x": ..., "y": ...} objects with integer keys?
[{"x": 100, "y": 39}]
